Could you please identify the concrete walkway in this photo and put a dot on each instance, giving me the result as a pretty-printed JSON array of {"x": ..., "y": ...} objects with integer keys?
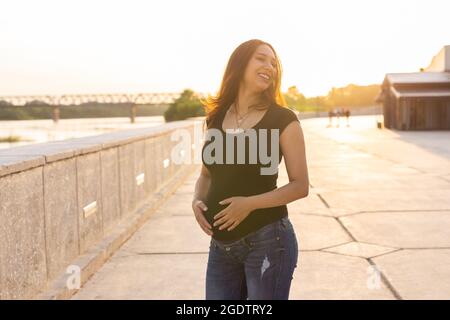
[{"x": 375, "y": 225}]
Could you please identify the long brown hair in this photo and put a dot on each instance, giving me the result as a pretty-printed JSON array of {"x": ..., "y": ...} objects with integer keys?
[{"x": 232, "y": 77}]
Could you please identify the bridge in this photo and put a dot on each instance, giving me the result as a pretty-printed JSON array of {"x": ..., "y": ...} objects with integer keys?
[{"x": 131, "y": 100}]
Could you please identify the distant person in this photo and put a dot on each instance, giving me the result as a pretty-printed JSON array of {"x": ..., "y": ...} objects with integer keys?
[
  {"x": 253, "y": 248},
  {"x": 330, "y": 118},
  {"x": 337, "y": 113},
  {"x": 347, "y": 116}
]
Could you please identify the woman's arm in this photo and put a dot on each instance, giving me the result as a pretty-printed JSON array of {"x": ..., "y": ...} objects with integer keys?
[
  {"x": 201, "y": 190},
  {"x": 293, "y": 148},
  {"x": 202, "y": 185}
]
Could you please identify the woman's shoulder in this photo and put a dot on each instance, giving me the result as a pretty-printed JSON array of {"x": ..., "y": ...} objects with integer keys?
[
  {"x": 283, "y": 116},
  {"x": 285, "y": 110}
]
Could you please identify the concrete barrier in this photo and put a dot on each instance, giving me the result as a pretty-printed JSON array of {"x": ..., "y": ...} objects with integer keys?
[{"x": 74, "y": 202}]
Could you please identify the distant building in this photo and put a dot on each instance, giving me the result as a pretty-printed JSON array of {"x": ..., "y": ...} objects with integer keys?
[{"x": 418, "y": 100}]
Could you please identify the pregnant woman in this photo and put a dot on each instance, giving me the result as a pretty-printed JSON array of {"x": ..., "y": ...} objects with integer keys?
[{"x": 253, "y": 249}]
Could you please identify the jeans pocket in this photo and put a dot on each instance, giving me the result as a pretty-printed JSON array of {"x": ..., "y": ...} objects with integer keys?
[
  {"x": 263, "y": 242},
  {"x": 264, "y": 237}
]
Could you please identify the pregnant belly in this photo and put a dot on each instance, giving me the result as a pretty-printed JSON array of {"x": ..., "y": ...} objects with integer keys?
[{"x": 213, "y": 209}]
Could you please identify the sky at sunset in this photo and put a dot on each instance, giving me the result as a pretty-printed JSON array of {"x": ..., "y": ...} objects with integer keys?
[{"x": 57, "y": 47}]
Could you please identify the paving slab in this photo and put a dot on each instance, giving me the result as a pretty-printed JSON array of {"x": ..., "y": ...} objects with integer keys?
[
  {"x": 392, "y": 177},
  {"x": 310, "y": 205},
  {"x": 360, "y": 249},
  {"x": 179, "y": 204},
  {"x": 418, "y": 274},
  {"x": 428, "y": 229},
  {"x": 329, "y": 276},
  {"x": 318, "y": 232},
  {"x": 148, "y": 277},
  {"x": 176, "y": 234},
  {"x": 402, "y": 199}
]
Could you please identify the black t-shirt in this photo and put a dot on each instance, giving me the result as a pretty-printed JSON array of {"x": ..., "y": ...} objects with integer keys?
[{"x": 231, "y": 177}]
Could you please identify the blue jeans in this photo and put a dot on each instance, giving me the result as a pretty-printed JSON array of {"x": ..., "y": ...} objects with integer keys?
[{"x": 257, "y": 267}]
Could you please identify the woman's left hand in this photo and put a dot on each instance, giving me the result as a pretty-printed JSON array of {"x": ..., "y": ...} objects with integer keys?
[{"x": 237, "y": 210}]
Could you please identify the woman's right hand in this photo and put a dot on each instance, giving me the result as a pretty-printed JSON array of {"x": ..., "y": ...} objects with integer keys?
[{"x": 198, "y": 207}]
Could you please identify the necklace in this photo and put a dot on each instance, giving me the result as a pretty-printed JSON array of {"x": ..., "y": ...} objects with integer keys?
[{"x": 241, "y": 119}]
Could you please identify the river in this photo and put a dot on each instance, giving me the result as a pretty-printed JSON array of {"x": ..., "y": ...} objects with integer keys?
[{"x": 37, "y": 131}]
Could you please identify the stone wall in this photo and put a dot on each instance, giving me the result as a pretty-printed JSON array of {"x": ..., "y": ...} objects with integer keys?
[{"x": 59, "y": 200}]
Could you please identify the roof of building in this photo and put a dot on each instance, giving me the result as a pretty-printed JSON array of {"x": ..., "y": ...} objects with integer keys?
[
  {"x": 418, "y": 77},
  {"x": 421, "y": 93},
  {"x": 432, "y": 83}
]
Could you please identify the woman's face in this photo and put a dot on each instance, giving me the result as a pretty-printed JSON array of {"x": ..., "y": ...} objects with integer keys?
[{"x": 261, "y": 69}]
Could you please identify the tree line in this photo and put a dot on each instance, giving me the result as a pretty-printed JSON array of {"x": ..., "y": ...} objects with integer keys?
[
  {"x": 189, "y": 105},
  {"x": 351, "y": 96}
]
